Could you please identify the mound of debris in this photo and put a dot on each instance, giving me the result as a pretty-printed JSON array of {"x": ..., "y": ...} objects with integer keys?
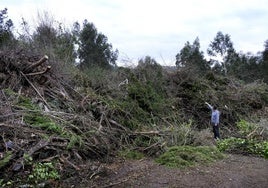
[
  {"x": 233, "y": 98},
  {"x": 40, "y": 123}
]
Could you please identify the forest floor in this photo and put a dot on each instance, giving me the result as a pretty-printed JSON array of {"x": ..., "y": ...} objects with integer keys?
[{"x": 233, "y": 171}]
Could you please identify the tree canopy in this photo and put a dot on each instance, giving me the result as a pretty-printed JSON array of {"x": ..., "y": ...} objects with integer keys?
[
  {"x": 221, "y": 48},
  {"x": 190, "y": 56},
  {"x": 6, "y": 26},
  {"x": 94, "y": 49},
  {"x": 86, "y": 45}
]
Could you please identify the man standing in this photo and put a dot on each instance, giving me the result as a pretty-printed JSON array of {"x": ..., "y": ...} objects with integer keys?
[{"x": 215, "y": 120}]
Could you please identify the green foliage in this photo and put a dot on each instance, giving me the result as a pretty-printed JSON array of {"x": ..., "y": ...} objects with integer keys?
[
  {"x": 131, "y": 154},
  {"x": 230, "y": 143},
  {"x": 45, "y": 34},
  {"x": 245, "y": 146},
  {"x": 50, "y": 37},
  {"x": 97, "y": 77},
  {"x": 140, "y": 102},
  {"x": 64, "y": 47},
  {"x": 246, "y": 67},
  {"x": 35, "y": 118},
  {"x": 27, "y": 159},
  {"x": 42, "y": 172},
  {"x": 181, "y": 133},
  {"x": 191, "y": 57},
  {"x": 245, "y": 127},
  {"x": 146, "y": 97},
  {"x": 264, "y": 62},
  {"x": 248, "y": 145},
  {"x": 6, "y": 25},
  {"x": 186, "y": 156},
  {"x": 6, "y": 184},
  {"x": 75, "y": 140},
  {"x": 222, "y": 47},
  {"x": 143, "y": 94},
  {"x": 94, "y": 50},
  {"x": 6, "y": 159},
  {"x": 150, "y": 72},
  {"x": 20, "y": 100},
  {"x": 34, "y": 115},
  {"x": 26, "y": 103},
  {"x": 129, "y": 114},
  {"x": 38, "y": 120}
]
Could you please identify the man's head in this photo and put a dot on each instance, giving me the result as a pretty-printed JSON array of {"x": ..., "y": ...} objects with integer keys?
[{"x": 214, "y": 107}]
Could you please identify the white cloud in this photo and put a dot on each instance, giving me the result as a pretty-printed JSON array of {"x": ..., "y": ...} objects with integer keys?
[{"x": 158, "y": 28}]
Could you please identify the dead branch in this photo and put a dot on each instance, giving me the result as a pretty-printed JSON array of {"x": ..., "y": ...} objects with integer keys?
[
  {"x": 65, "y": 160},
  {"x": 50, "y": 158},
  {"x": 147, "y": 133},
  {"x": 38, "y": 146},
  {"x": 38, "y": 73},
  {"x": 101, "y": 119},
  {"x": 41, "y": 61},
  {"x": 34, "y": 88},
  {"x": 117, "y": 124}
]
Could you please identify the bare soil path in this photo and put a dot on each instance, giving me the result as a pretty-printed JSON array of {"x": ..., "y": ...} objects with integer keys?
[{"x": 234, "y": 171}]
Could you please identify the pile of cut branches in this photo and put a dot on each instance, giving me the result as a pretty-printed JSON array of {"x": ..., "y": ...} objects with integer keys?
[
  {"x": 233, "y": 98},
  {"x": 44, "y": 119}
]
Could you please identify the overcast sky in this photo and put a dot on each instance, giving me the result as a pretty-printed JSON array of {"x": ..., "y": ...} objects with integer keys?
[{"x": 158, "y": 28}]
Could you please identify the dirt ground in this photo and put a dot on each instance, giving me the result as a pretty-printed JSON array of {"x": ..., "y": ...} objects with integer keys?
[{"x": 233, "y": 171}]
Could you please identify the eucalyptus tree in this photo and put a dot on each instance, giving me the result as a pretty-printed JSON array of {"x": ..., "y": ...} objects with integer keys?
[
  {"x": 222, "y": 51},
  {"x": 94, "y": 49},
  {"x": 6, "y": 26},
  {"x": 190, "y": 56}
]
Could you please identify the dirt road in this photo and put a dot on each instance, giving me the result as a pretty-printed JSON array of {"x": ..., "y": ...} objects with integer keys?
[{"x": 233, "y": 171}]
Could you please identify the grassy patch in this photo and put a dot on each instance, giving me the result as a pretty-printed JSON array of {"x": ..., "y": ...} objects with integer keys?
[{"x": 186, "y": 156}]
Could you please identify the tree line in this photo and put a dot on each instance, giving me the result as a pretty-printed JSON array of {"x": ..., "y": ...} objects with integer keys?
[
  {"x": 91, "y": 47},
  {"x": 81, "y": 41},
  {"x": 224, "y": 59}
]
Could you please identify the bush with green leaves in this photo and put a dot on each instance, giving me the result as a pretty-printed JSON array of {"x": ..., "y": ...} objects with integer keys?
[
  {"x": 244, "y": 146},
  {"x": 6, "y": 159},
  {"x": 42, "y": 172},
  {"x": 245, "y": 127},
  {"x": 186, "y": 156},
  {"x": 146, "y": 96},
  {"x": 6, "y": 26},
  {"x": 251, "y": 143}
]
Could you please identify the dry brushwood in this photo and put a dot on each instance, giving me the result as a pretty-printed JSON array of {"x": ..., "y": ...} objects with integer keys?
[
  {"x": 78, "y": 127},
  {"x": 232, "y": 98},
  {"x": 90, "y": 133}
]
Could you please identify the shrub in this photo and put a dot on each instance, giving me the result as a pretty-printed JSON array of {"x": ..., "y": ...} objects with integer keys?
[
  {"x": 185, "y": 156},
  {"x": 244, "y": 146},
  {"x": 245, "y": 127},
  {"x": 42, "y": 172}
]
